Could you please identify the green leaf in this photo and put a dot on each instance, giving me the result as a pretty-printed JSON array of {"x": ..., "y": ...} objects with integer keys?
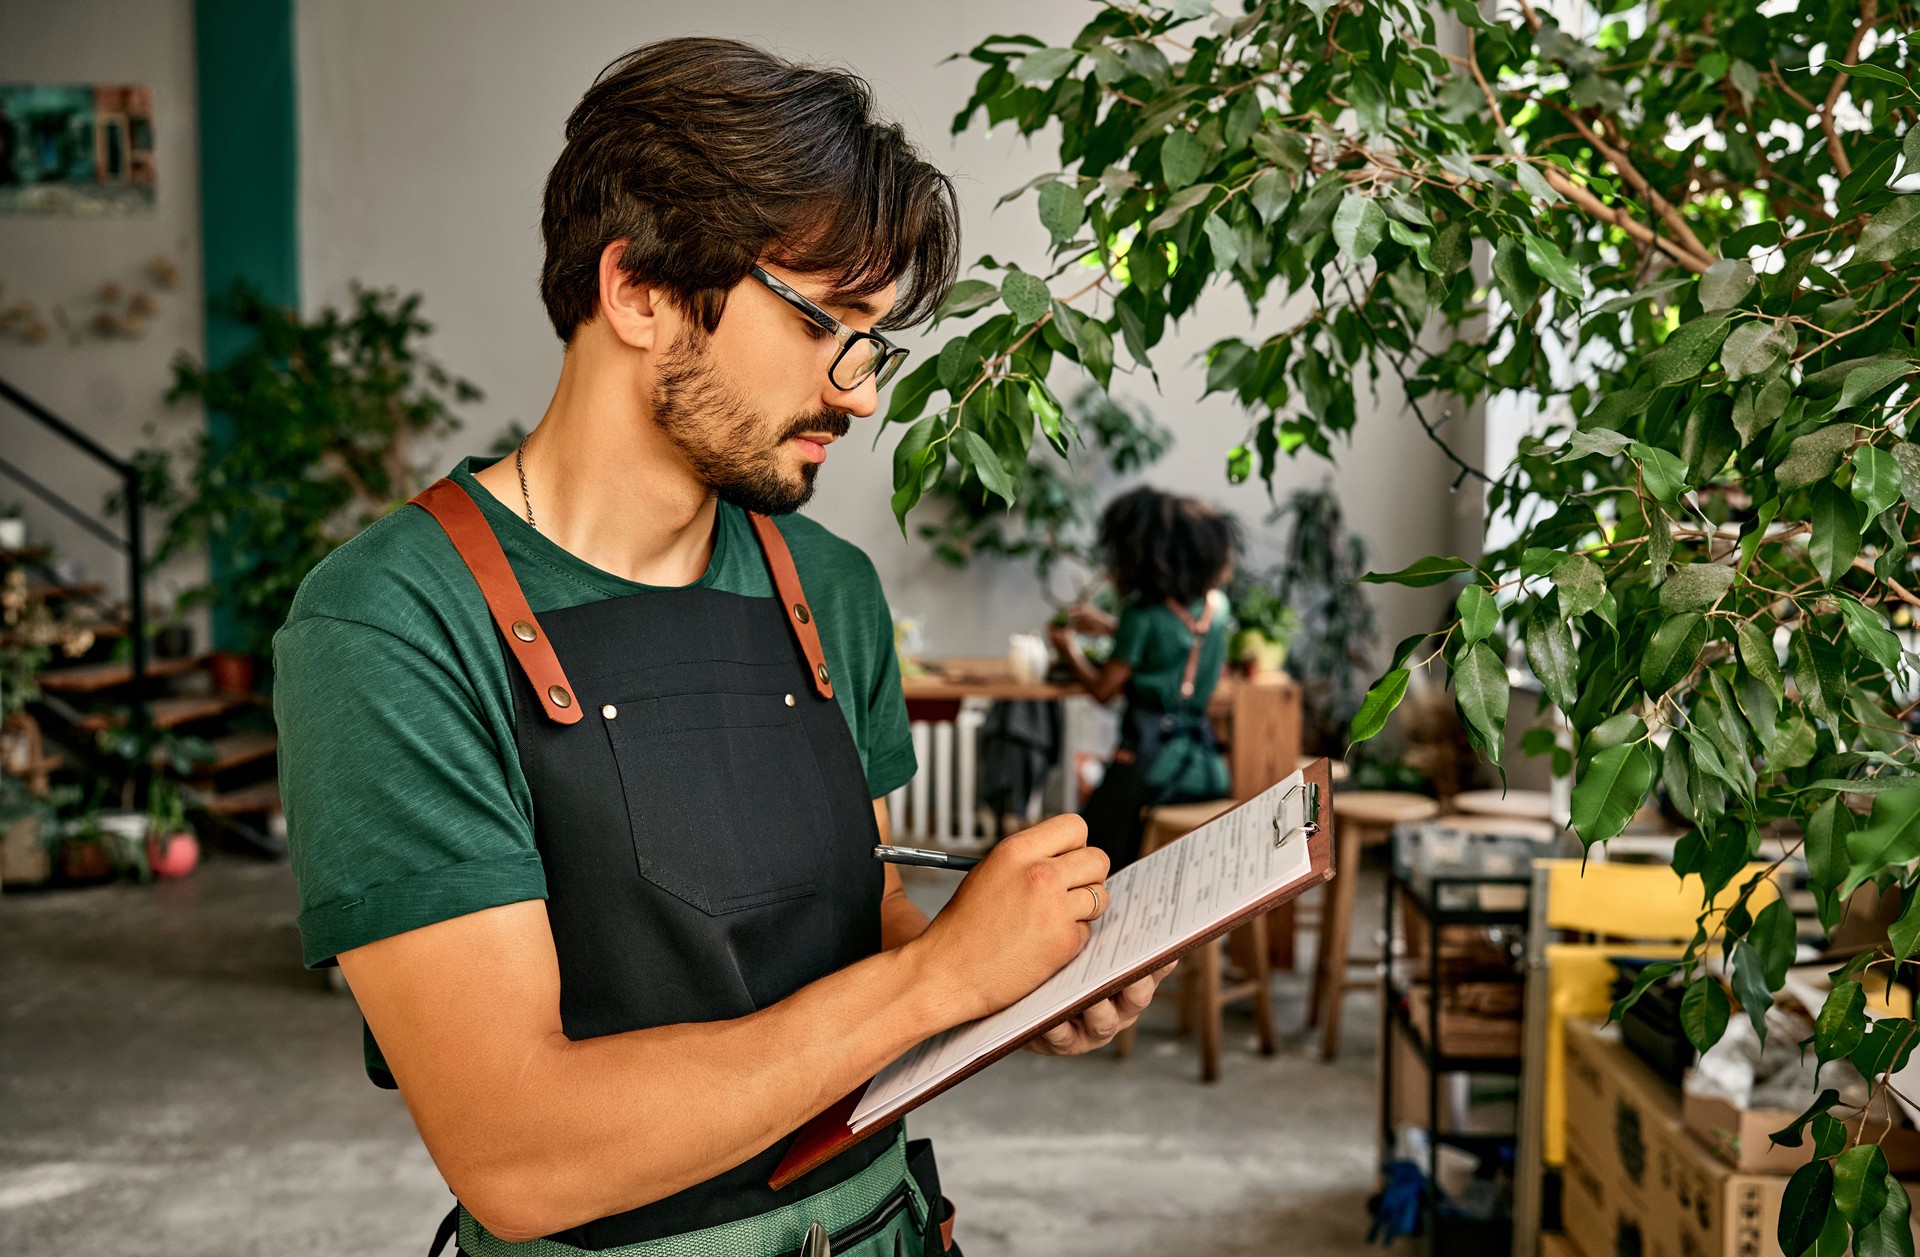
[
  {"x": 1026, "y": 296},
  {"x": 1756, "y": 347},
  {"x": 1226, "y": 245},
  {"x": 1890, "y": 836},
  {"x": 1580, "y": 582},
  {"x": 1907, "y": 455},
  {"x": 1515, "y": 278},
  {"x": 1835, "y": 520},
  {"x": 1665, "y": 474},
  {"x": 1552, "y": 265},
  {"x": 1725, "y": 284},
  {"x": 1755, "y": 410},
  {"x": 1826, "y": 855},
  {"x": 1357, "y": 226},
  {"x": 1829, "y": 1137},
  {"x": 1757, "y": 653},
  {"x": 1817, "y": 672},
  {"x": 1061, "y": 210},
  {"x": 1774, "y": 938},
  {"x": 1792, "y": 1134},
  {"x": 1704, "y": 1011},
  {"x": 1894, "y": 231},
  {"x": 1552, "y": 655},
  {"x": 1479, "y": 614},
  {"x": 1480, "y": 684},
  {"x": 1182, "y": 157},
  {"x": 1585, "y": 442},
  {"x": 1803, "y": 1208},
  {"x": 1842, "y": 1022},
  {"x": 1432, "y": 570},
  {"x": 1860, "y": 1183},
  {"x": 1863, "y": 382},
  {"x": 1694, "y": 587},
  {"x": 1750, "y": 985},
  {"x": 1688, "y": 351},
  {"x": 1876, "y": 479},
  {"x": 1890, "y": 1234},
  {"x": 1610, "y": 791},
  {"x": 1870, "y": 633},
  {"x": 1814, "y": 456},
  {"x": 964, "y": 298},
  {"x": 1369, "y": 103},
  {"x": 1047, "y": 411},
  {"x": 1648, "y": 975},
  {"x": 1672, "y": 652},
  {"x": 1452, "y": 248},
  {"x": 1178, "y": 205},
  {"x": 1270, "y": 195},
  {"x": 1378, "y": 705},
  {"x": 1044, "y": 66},
  {"x": 1904, "y": 935},
  {"x": 986, "y": 464}
]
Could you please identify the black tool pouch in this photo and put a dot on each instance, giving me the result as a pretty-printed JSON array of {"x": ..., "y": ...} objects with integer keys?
[{"x": 939, "y": 1222}]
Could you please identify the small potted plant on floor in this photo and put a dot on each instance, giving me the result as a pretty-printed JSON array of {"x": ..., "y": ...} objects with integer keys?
[{"x": 172, "y": 848}]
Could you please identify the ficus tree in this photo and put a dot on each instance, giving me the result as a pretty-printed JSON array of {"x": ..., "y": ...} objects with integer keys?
[{"x": 1689, "y": 232}]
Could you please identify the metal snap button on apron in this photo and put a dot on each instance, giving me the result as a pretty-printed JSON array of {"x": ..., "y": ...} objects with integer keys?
[
  {"x": 526, "y": 633},
  {"x": 559, "y": 696},
  {"x": 822, "y": 670},
  {"x": 800, "y": 612},
  {"x": 789, "y": 700},
  {"x": 610, "y": 711}
]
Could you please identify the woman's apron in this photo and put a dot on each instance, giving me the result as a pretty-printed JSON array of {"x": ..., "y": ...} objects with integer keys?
[
  {"x": 1157, "y": 747},
  {"x": 703, "y": 820}
]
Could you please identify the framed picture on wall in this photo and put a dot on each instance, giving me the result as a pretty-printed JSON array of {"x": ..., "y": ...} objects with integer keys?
[{"x": 76, "y": 149}]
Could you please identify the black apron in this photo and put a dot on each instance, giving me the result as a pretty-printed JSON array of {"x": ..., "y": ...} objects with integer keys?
[{"x": 702, "y": 817}]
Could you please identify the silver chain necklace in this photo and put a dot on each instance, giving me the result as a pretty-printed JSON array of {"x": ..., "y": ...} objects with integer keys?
[{"x": 520, "y": 465}]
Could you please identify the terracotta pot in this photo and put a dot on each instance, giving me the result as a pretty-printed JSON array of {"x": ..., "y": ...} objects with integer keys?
[
  {"x": 175, "y": 855},
  {"x": 233, "y": 673},
  {"x": 86, "y": 860}
]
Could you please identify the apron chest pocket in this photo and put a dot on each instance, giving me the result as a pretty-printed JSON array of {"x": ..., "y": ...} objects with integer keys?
[{"x": 721, "y": 799}]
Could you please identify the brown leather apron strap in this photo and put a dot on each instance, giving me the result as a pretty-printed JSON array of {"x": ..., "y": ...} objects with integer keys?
[
  {"x": 786, "y": 581},
  {"x": 1199, "y": 629},
  {"x": 473, "y": 538}
]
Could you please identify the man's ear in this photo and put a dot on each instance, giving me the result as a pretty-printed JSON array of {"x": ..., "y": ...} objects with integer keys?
[{"x": 633, "y": 309}]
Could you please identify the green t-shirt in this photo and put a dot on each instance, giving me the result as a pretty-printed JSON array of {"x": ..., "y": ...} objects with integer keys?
[
  {"x": 1154, "y": 643},
  {"x": 399, "y": 771}
]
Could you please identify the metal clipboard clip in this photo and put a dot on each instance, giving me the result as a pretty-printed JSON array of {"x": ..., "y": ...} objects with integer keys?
[{"x": 1310, "y": 814}]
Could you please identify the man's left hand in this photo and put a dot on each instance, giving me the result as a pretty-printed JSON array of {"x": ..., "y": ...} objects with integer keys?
[{"x": 1096, "y": 1027}]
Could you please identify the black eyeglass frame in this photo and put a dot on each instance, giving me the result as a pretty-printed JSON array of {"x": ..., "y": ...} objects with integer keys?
[{"x": 890, "y": 357}]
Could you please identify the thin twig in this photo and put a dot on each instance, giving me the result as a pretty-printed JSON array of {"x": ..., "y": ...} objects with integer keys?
[{"x": 1869, "y": 18}]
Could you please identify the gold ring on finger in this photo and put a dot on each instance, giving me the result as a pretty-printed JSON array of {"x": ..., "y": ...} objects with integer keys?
[{"x": 1095, "y": 892}]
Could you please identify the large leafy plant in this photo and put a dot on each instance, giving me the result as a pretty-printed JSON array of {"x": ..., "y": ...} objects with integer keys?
[
  {"x": 1685, "y": 231},
  {"x": 326, "y": 415}
]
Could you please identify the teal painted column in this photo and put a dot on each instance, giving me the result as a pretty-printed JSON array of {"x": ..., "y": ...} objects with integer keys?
[{"x": 249, "y": 181}]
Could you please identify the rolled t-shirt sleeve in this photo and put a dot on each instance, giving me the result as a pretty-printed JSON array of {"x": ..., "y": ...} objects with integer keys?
[
  {"x": 1130, "y": 637},
  {"x": 401, "y": 809},
  {"x": 891, "y": 762}
]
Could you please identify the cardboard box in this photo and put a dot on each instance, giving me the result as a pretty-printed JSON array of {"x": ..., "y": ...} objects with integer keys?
[
  {"x": 1637, "y": 1181},
  {"x": 1740, "y": 1137}
]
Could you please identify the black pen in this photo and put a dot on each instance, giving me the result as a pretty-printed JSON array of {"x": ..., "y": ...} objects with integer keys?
[{"x": 921, "y": 858}]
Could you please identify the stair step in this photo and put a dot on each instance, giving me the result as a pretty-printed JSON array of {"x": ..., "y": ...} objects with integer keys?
[
  {"x": 25, "y": 554},
  {"x": 169, "y": 713},
  {"x": 262, "y": 796},
  {"x": 93, "y": 677},
  {"x": 235, "y": 749},
  {"x": 59, "y": 593}
]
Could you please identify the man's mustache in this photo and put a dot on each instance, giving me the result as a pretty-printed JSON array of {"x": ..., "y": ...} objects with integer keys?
[{"x": 833, "y": 423}]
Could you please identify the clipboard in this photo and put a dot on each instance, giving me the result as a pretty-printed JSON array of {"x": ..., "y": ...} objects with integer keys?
[{"x": 831, "y": 1132}]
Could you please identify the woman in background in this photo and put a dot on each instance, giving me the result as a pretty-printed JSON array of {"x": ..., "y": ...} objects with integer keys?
[{"x": 1168, "y": 558}]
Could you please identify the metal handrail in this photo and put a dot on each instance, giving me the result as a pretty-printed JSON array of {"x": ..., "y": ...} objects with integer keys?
[{"x": 132, "y": 544}]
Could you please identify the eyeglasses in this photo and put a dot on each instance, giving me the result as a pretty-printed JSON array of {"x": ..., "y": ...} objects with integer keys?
[{"x": 862, "y": 354}]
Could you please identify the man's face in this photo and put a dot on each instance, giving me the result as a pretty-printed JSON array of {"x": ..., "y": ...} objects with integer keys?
[{"x": 750, "y": 406}]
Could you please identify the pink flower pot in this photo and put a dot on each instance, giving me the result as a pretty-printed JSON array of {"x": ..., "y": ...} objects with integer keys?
[{"x": 174, "y": 856}]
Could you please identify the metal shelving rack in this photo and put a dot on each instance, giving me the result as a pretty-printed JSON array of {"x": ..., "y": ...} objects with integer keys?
[{"x": 1441, "y": 901}]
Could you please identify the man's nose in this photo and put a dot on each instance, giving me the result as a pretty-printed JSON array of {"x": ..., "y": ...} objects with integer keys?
[{"x": 860, "y": 402}]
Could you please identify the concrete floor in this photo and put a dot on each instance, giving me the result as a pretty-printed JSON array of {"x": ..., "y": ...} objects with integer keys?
[{"x": 172, "y": 1082}]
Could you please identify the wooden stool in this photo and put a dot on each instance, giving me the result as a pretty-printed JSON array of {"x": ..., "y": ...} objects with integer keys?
[
  {"x": 1363, "y": 818},
  {"x": 1536, "y": 805},
  {"x": 1202, "y": 994}
]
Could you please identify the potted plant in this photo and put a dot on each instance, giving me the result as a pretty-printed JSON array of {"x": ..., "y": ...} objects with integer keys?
[
  {"x": 327, "y": 416},
  {"x": 26, "y": 823},
  {"x": 172, "y": 848},
  {"x": 1267, "y": 625}
]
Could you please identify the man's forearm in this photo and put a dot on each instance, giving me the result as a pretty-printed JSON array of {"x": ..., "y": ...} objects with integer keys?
[{"x": 538, "y": 1135}]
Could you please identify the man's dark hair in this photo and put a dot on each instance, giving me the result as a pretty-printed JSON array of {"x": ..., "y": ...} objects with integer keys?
[
  {"x": 709, "y": 155},
  {"x": 1160, "y": 545}
]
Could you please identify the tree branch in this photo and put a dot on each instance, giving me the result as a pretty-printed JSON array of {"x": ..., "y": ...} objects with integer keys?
[
  {"x": 1869, "y": 18},
  {"x": 1617, "y": 158}
]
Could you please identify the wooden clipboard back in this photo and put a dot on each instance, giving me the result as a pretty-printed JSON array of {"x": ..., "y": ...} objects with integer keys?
[{"x": 830, "y": 1134}]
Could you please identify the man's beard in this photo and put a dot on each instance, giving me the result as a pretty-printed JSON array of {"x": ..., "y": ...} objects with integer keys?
[{"x": 725, "y": 440}]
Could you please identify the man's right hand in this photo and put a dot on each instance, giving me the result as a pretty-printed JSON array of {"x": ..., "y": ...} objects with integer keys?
[{"x": 1017, "y": 918}]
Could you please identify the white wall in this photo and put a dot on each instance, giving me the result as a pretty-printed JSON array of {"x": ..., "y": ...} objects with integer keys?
[
  {"x": 427, "y": 127},
  {"x": 111, "y": 389}
]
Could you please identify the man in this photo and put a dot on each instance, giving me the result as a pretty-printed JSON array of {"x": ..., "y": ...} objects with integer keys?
[{"x": 584, "y": 759}]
